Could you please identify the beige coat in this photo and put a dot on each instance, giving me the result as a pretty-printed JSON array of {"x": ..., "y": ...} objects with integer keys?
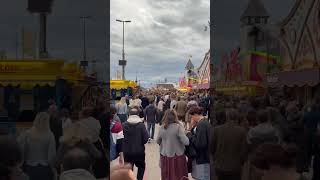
[{"x": 181, "y": 108}]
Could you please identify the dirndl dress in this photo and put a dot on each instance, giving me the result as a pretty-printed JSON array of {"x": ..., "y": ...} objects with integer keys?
[{"x": 173, "y": 168}]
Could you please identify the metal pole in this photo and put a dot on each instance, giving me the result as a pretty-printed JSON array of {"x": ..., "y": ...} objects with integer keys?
[
  {"x": 43, "y": 36},
  {"x": 123, "y": 61},
  {"x": 123, "y": 56},
  {"x": 17, "y": 44},
  {"x": 84, "y": 62},
  {"x": 84, "y": 40}
]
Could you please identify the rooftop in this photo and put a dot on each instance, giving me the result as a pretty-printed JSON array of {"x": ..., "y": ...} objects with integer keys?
[{"x": 255, "y": 8}]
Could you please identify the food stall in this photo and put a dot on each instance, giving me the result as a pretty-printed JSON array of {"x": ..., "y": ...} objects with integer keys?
[
  {"x": 120, "y": 88},
  {"x": 26, "y": 86}
]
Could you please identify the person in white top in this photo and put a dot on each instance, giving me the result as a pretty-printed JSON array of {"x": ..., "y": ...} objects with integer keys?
[
  {"x": 66, "y": 121},
  {"x": 173, "y": 102},
  {"x": 160, "y": 104},
  {"x": 160, "y": 111},
  {"x": 38, "y": 147}
]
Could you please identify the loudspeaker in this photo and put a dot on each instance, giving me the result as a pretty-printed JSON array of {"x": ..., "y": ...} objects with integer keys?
[{"x": 40, "y": 6}]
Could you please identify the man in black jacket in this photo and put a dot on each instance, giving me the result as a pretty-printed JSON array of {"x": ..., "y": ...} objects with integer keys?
[
  {"x": 198, "y": 135},
  {"x": 135, "y": 137},
  {"x": 144, "y": 101}
]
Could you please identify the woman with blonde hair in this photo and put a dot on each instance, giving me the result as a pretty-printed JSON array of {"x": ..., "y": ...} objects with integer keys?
[
  {"x": 76, "y": 136},
  {"x": 172, "y": 140},
  {"x": 93, "y": 129},
  {"x": 122, "y": 109},
  {"x": 39, "y": 148}
]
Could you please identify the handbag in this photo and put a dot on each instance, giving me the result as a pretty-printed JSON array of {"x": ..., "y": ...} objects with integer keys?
[{"x": 190, "y": 151}]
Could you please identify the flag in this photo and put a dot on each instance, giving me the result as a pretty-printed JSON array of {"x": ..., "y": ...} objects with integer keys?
[{"x": 28, "y": 43}]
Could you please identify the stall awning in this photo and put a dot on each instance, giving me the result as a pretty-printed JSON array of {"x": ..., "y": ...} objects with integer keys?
[
  {"x": 308, "y": 77},
  {"x": 27, "y": 84},
  {"x": 122, "y": 84}
]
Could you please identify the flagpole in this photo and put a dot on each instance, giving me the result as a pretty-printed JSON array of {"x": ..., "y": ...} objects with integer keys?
[
  {"x": 23, "y": 43},
  {"x": 17, "y": 44}
]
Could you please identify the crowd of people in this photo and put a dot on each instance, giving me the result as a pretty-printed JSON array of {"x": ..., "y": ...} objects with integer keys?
[
  {"x": 205, "y": 136},
  {"x": 56, "y": 147},
  {"x": 220, "y": 137}
]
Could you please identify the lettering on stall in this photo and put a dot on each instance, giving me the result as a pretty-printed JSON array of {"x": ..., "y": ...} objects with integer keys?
[{"x": 8, "y": 68}]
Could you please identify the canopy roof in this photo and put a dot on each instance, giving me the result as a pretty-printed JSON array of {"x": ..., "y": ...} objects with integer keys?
[
  {"x": 122, "y": 84},
  {"x": 29, "y": 73},
  {"x": 255, "y": 8}
]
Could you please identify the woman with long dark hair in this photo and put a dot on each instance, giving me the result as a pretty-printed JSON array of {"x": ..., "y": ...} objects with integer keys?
[{"x": 172, "y": 141}]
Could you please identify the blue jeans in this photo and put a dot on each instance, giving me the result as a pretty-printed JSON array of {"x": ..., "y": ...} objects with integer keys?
[
  {"x": 200, "y": 171},
  {"x": 151, "y": 127}
]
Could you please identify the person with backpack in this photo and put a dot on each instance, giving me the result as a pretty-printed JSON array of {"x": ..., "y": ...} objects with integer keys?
[
  {"x": 135, "y": 137},
  {"x": 116, "y": 138}
]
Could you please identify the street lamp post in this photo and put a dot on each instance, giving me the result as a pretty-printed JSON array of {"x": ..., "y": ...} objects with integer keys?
[
  {"x": 211, "y": 28},
  {"x": 123, "y": 62},
  {"x": 84, "y": 62}
]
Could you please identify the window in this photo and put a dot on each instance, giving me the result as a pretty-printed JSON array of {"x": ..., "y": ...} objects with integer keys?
[
  {"x": 249, "y": 20},
  {"x": 257, "y": 20}
]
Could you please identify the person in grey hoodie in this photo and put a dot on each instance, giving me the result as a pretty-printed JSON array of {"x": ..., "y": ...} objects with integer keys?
[{"x": 77, "y": 165}]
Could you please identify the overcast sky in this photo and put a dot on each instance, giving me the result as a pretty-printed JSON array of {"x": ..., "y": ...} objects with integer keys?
[
  {"x": 163, "y": 33},
  {"x": 160, "y": 39},
  {"x": 158, "y": 42}
]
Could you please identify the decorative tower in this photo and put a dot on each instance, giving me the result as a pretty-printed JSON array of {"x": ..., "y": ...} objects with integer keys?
[
  {"x": 254, "y": 16},
  {"x": 189, "y": 72}
]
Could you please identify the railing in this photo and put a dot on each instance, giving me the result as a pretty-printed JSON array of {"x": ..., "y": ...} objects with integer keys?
[{"x": 79, "y": 105}]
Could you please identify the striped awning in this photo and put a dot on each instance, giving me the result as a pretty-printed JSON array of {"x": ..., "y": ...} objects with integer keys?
[
  {"x": 307, "y": 77},
  {"x": 27, "y": 84}
]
